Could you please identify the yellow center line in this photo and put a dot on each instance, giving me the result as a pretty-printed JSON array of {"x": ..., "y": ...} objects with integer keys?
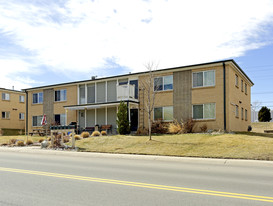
[{"x": 143, "y": 185}]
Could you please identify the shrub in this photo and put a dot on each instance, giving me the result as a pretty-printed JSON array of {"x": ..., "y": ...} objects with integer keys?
[
  {"x": 188, "y": 126},
  {"x": 29, "y": 142},
  {"x": 77, "y": 137},
  {"x": 12, "y": 141},
  {"x": 95, "y": 133},
  {"x": 41, "y": 140},
  {"x": 264, "y": 115},
  {"x": 20, "y": 143},
  {"x": 142, "y": 131},
  {"x": 175, "y": 127},
  {"x": 103, "y": 133},
  {"x": 85, "y": 134},
  {"x": 49, "y": 139},
  {"x": 204, "y": 128},
  {"x": 159, "y": 127},
  {"x": 66, "y": 139},
  {"x": 249, "y": 128},
  {"x": 122, "y": 119}
]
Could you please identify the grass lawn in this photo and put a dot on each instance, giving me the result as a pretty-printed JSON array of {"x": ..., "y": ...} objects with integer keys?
[{"x": 241, "y": 146}]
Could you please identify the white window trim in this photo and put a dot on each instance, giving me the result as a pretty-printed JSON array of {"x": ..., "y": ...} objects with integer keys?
[
  {"x": 20, "y": 116},
  {"x": 6, "y": 115},
  {"x": 204, "y": 111},
  {"x": 6, "y": 95},
  {"x": 20, "y": 98},
  {"x": 203, "y": 79},
  {"x": 163, "y": 90},
  {"x": 38, "y": 98},
  {"x": 236, "y": 80},
  {"x": 37, "y": 120},
  {"x": 60, "y": 92},
  {"x": 162, "y": 114}
]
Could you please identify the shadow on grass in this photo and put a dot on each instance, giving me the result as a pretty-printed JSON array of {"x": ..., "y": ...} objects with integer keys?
[{"x": 256, "y": 134}]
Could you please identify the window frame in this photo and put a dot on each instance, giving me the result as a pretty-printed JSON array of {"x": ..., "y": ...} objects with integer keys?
[
  {"x": 5, "y": 95},
  {"x": 60, "y": 90},
  {"x": 21, "y": 97},
  {"x": 242, "y": 85},
  {"x": 237, "y": 111},
  {"x": 245, "y": 114},
  {"x": 245, "y": 88},
  {"x": 38, "y": 98},
  {"x": 236, "y": 80},
  {"x": 39, "y": 123},
  {"x": 242, "y": 113},
  {"x": 204, "y": 111},
  {"x": 163, "y": 108},
  {"x": 163, "y": 81},
  {"x": 6, "y": 116},
  {"x": 21, "y": 114},
  {"x": 204, "y": 79},
  {"x": 61, "y": 115}
]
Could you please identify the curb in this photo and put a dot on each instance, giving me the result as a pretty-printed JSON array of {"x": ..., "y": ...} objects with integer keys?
[{"x": 195, "y": 160}]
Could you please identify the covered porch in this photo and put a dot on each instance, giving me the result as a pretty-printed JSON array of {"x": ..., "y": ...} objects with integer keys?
[{"x": 91, "y": 116}]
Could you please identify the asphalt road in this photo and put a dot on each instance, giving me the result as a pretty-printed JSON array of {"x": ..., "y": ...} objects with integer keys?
[{"x": 46, "y": 179}]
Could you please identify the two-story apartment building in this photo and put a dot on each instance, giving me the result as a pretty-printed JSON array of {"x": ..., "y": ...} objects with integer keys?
[
  {"x": 216, "y": 94},
  {"x": 13, "y": 109}
]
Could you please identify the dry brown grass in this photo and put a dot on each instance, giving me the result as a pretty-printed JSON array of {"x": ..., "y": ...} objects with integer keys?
[
  {"x": 238, "y": 146},
  {"x": 6, "y": 139}
]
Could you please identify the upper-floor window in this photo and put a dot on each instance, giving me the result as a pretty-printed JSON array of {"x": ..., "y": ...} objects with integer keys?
[
  {"x": 163, "y": 113},
  {"x": 242, "y": 85},
  {"x": 203, "y": 79},
  {"x": 21, "y": 116},
  {"x": 60, "y": 95},
  {"x": 37, "y": 98},
  {"x": 236, "y": 111},
  {"x": 245, "y": 114},
  {"x": 245, "y": 88},
  {"x": 5, "y": 96},
  {"x": 5, "y": 115},
  {"x": 204, "y": 111},
  {"x": 236, "y": 80},
  {"x": 21, "y": 98},
  {"x": 37, "y": 121},
  {"x": 163, "y": 83}
]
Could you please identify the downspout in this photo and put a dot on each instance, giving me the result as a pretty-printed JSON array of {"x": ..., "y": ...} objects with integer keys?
[
  {"x": 26, "y": 113},
  {"x": 224, "y": 86}
]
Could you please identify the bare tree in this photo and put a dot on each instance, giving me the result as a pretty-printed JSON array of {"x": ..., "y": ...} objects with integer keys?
[{"x": 149, "y": 86}]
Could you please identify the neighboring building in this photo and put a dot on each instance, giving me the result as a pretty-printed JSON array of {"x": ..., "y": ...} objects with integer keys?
[
  {"x": 13, "y": 110},
  {"x": 216, "y": 94}
]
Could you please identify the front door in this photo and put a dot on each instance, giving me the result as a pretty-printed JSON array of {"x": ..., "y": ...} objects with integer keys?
[{"x": 134, "y": 119}]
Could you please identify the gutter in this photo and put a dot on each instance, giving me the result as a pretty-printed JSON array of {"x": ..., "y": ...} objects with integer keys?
[{"x": 224, "y": 87}]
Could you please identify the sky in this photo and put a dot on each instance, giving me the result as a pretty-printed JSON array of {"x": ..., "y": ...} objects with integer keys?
[{"x": 46, "y": 42}]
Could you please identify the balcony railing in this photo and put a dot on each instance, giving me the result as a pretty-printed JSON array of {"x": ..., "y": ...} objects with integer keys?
[{"x": 125, "y": 92}]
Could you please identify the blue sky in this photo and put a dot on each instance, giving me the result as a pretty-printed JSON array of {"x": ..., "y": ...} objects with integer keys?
[{"x": 54, "y": 41}]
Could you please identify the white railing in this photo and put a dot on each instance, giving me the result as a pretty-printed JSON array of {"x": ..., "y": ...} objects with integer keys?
[{"x": 125, "y": 92}]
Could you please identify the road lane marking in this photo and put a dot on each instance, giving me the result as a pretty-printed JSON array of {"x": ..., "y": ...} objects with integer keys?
[{"x": 143, "y": 185}]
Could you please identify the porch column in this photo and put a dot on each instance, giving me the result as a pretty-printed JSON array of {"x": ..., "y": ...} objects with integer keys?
[
  {"x": 95, "y": 116},
  {"x": 106, "y": 115},
  {"x": 129, "y": 112},
  {"x": 85, "y": 117}
]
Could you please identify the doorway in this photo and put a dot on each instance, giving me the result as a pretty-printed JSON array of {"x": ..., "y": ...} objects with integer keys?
[{"x": 134, "y": 119}]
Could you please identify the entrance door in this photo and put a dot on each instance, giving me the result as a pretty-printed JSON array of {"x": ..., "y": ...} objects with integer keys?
[{"x": 134, "y": 119}]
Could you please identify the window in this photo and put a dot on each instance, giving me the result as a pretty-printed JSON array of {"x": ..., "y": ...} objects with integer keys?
[
  {"x": 242, "y": 113},
  {"x": 163, "y": 113},
  {"x": 204, "y": 111},
  {"x": 163, "y": 83},
  {"x": 37, "y": 98},
  {"x": 5, "y": 96},
  {"x": 245, "y": 88},
  {"x": 37, "y": 121},
  {"x": 82, "y": 94},
  {"x": 21, "y": 116},
  {"x": 21, "y": 98},
  {"x": 60, "y": 95},
  {"x": 236, "y": 111},
  {"x": 203, "y": 79},
  {"x": 236, "y": 80},
  {"x": 60, "y": 119},
  {"x": 246, "y": 114},
  {"x": 242, "y": 85},
  {"x": 5, "y": 115}
]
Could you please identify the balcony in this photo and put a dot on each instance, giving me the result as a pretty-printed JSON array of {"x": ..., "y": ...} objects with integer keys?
[{"x": 126, "y": 92}]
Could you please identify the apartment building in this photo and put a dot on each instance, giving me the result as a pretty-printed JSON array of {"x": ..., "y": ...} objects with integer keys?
[
  {"x": 13, "y": 109},
  {"x": 216, "y": 94}
]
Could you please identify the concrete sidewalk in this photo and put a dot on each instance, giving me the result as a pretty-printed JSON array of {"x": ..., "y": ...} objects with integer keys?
[{"x": 233, "y": 162}]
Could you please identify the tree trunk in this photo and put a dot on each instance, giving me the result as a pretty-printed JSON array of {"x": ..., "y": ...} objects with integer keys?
[{"x": 150, "y": 132}]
